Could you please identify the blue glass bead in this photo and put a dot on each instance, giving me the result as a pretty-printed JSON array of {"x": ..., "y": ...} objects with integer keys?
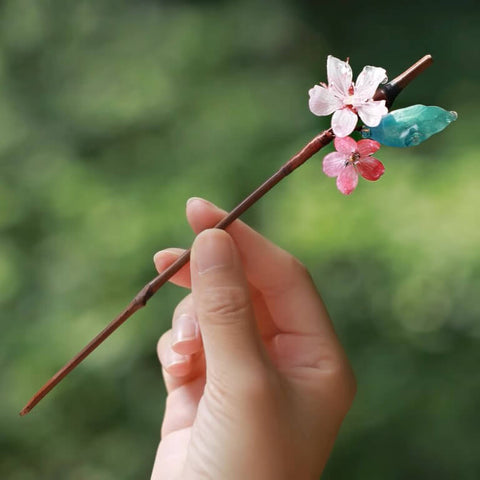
[{"x": 409, "y": 126}]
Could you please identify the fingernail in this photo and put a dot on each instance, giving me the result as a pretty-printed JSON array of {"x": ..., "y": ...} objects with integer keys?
[
  {"x": 198, "y": 199},
  {"x": 172, "y": 252},
  {"x": 184, "y": 329},
  {"x": 174, "y": 358},
  {"x": 212, "y": 249}
]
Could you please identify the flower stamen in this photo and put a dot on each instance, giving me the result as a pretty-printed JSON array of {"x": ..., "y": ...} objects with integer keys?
[{"x": 354, "y": 157}]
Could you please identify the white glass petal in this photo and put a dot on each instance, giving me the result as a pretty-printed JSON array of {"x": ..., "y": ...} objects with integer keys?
[
  {"x": 368, "y": 82},
  {"x": 372, "y": 112},
  {"x": 339, "y": 76},
  {"x": 344, "y": 122},
  {"x": 322, "y": 101}
]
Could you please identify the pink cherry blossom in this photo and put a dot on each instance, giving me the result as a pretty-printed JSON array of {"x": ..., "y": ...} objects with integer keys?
[
  {"x": 348, "y": 99},
  {"x": 350, "y": 159}
]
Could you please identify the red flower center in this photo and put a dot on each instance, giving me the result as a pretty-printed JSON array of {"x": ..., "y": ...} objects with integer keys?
[{"x": 354, "y": 157}]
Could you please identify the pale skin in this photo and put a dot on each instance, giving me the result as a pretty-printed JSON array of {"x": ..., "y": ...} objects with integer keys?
[{"x": 258, "y": 383}]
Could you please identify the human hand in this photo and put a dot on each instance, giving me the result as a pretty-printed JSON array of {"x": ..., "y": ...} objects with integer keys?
[{"x": 258, "y": 383}]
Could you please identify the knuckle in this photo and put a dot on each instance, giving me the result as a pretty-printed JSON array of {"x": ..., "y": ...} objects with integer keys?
[
  {"x": 298, "y": 268},
  {"x": 348, "y": 384},
  {"x": 163, "y": 344},
  {"x": 296, "y": 271},
  {"x": 343, "y": 383},
  {"x": 184, "y": 306},
  {"x": 226, "y": 301},
  {"x": 295, "y": 274}
]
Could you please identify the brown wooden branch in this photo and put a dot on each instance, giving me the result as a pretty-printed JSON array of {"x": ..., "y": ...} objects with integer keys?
[{"x": 388, "y": 92}]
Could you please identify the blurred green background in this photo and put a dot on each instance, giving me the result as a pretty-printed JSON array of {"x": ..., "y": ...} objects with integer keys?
[{"x": 113, "y": 113}]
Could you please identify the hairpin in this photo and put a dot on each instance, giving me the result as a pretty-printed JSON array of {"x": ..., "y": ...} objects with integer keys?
[{"x": 368, "y": 98}]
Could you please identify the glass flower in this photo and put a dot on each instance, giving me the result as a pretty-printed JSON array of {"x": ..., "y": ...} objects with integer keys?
[
  {"x": 350, "y": 159},
  {"x": 346, "y": 99}
]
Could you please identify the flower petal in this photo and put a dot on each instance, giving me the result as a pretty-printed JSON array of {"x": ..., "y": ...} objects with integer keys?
[
  {"x": 367, "y": 147},
  {"x": 368, "y": 81},
  {"x": 372, "y": 112},
  {"x": 347, "y": 180},
  {"x": 322, "y": 101},
  {"x": 334, "y": 163},
  {"x": 339, "y": 76},
  {"x": 344, "y": 122},
  {"x": 370, "y": 168},
  {"x": 346, "y": 145}
]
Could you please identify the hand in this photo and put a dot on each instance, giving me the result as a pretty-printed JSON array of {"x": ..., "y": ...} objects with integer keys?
[{"x": 258, "y": 383}]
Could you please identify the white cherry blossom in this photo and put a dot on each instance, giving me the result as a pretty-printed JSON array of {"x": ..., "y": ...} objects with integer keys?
[{"x": 346, "y": 99}]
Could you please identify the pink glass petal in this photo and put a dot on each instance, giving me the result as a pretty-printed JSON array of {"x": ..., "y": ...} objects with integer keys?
[
  {"x": 372, "y": 112},
  {"x": 322, "y": 101},
  {"x": 339, "y": 76},
  {"x": 334, "y": 163},
  {"x": 347, "y": 180},
  {"x": 367, "y": 147},
  {"x": 344, "y": 122},
  {"x": 368, "y": 81},
  {"x": 370, "y": 168},
  {"x": 346, "y": 145}
]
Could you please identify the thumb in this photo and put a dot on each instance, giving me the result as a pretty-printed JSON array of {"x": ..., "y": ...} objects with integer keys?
[{"x": 223, "y": 307}]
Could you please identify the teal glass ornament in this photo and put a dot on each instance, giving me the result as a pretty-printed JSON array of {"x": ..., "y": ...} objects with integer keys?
[{"x": 409, "y": 126}]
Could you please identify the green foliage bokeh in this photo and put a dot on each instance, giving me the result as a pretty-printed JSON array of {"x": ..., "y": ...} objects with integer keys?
[{"x": 113, "y": 113}]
